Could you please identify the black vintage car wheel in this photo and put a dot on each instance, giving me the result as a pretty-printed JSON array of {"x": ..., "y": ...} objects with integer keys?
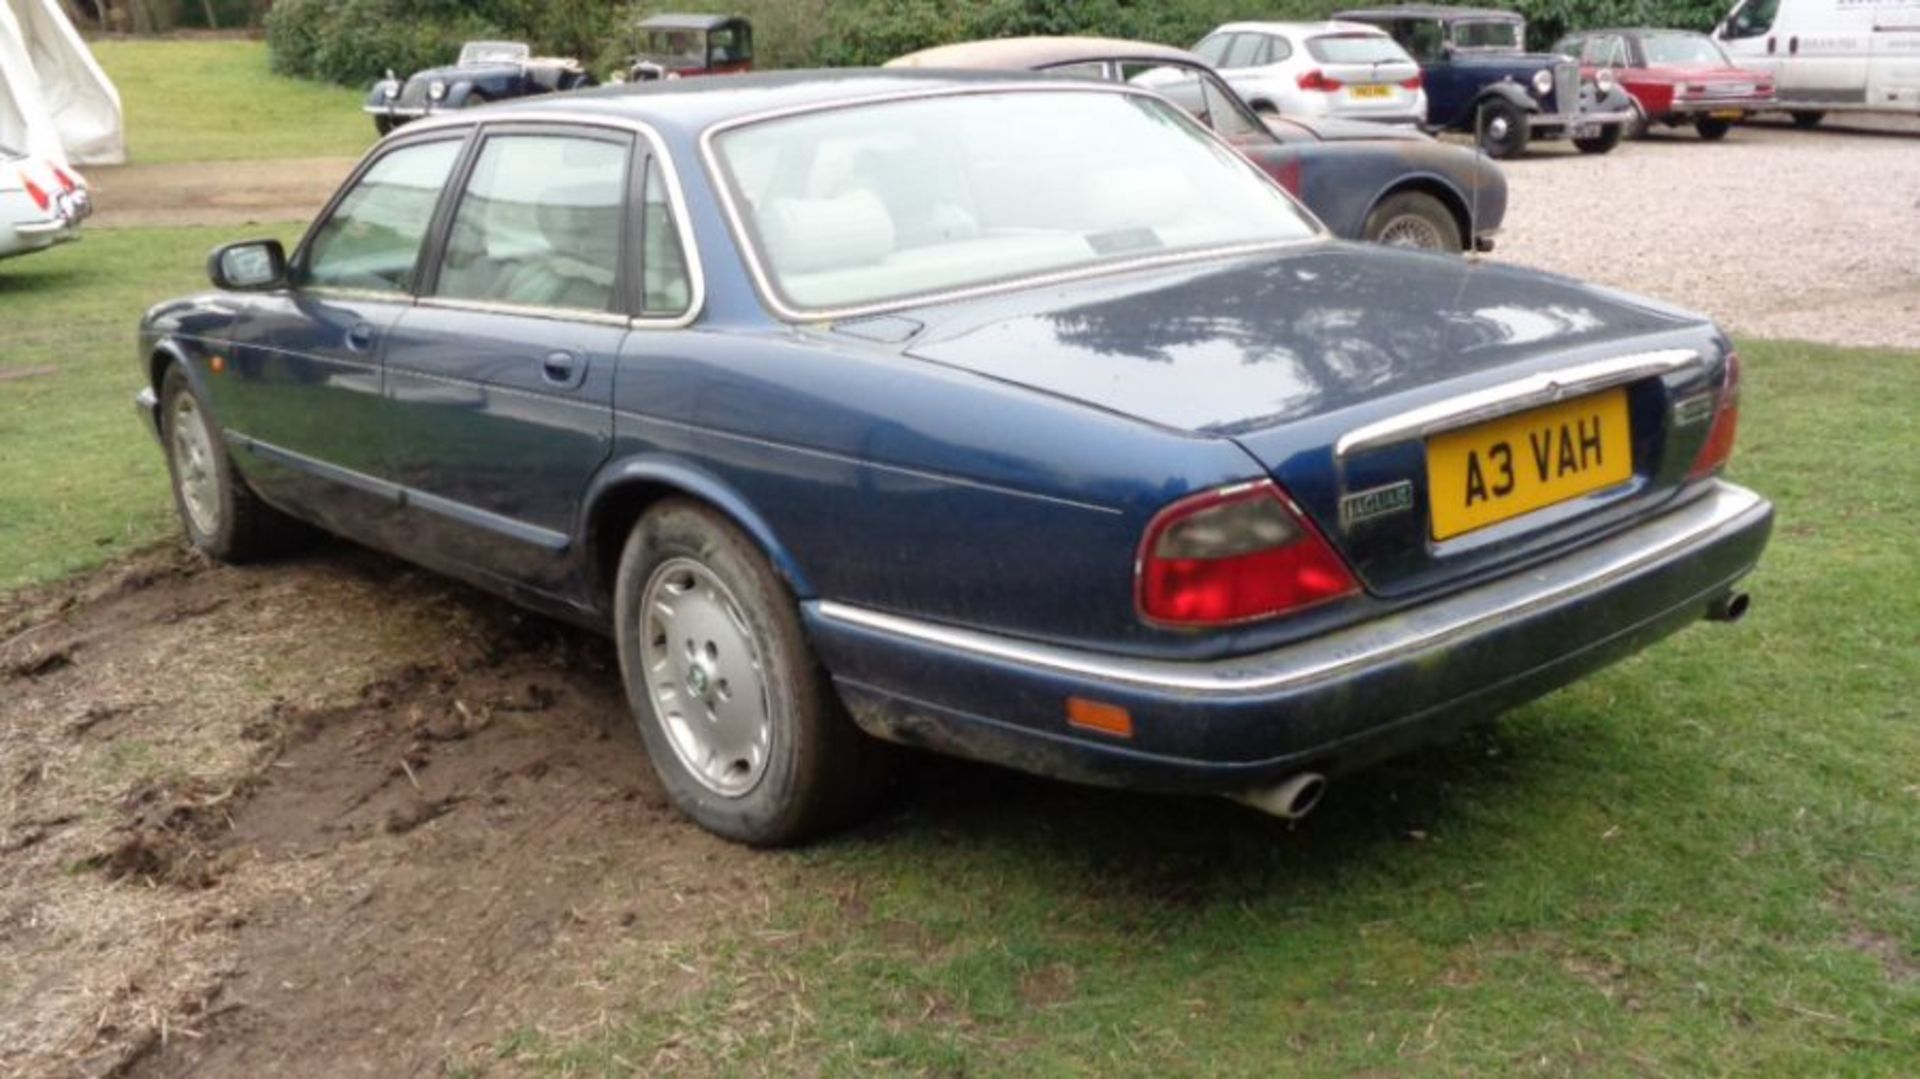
[
  {"x": 221, "y": 516},
  {"x": 1711, "y": 129},
  {"x": 1604, "y": 142},
  {"x": 1501, "y": 129},
  {"x": 1640, "y": 124},
  {"x": 384, "y": 125},
  {"x": 1413, "y": 219},
  {"x": 739, "y": 719}
]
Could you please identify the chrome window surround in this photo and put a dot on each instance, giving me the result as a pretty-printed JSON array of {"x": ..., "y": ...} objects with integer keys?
[
  {"x": 770, "y": 295},
  {"x": 676, "y": 198},
  {"x": 1515, "y": 396},
  {"x": 1722, "y": 509}
]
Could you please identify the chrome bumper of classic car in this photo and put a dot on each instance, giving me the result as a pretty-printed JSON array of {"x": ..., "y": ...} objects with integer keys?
[
  {"x": 410, "y": 112},
  {"x": 1707, "y": 106},
  {"x": 1579, "y": 125},
  {"x": 1328, "y": 704}
]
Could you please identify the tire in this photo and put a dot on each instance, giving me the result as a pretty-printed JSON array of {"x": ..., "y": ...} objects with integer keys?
[
  {"x": 1603, "y": 143},
  {"x": 1501, "y": 130},
  {"x": 1413, "y": 219},
  {"x": 221, "y": 516},
  {"x": 1638, "y": 127},
  {"x": 1806, "y": 120},
  {"x": 718, "y": 672},
  {"x": 384, "y": 125},
  {"x": 1711, "y": 129},
  {"x": 1265, "y": 108}
]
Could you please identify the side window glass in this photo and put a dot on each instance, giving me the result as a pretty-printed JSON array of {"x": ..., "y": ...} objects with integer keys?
[
  {"x": 372, "y": 239},
  {"x": 1421, "y": 37},
  {"x": 1241, "y": 52},
  {"x": 1092, "y": 69},
  {"x": 1278, "y": 49},
  {"x": 666, "y": 288},
  {"x": 1754, "y": 18},
  {"x": 1213, "y": 48},
  {"x": 539, "y": 224}
]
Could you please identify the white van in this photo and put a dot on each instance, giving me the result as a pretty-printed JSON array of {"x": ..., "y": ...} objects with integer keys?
[{"x": 1830, "y": 55}]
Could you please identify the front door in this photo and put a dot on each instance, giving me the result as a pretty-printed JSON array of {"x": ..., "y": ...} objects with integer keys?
[{"x": 500, "y": 380}]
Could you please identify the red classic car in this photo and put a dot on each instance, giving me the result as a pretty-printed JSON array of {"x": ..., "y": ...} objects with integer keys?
[{"x": 1675, "y": 77}]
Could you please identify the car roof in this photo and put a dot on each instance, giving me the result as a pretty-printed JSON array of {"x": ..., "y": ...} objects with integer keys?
[
  {"x": 692, "y": 105},
  {"x": 1635, "y": 30},
  {"x": 1427, "y": 11},
  {"x": 1302, "y": 29},
  {"x": 675, "y": 21},
  {"x": 1027, "y": 53}
]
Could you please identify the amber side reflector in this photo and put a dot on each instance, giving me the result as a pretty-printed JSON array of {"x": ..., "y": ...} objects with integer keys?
[
  {"x": 1095, "y": 716},
  {"x": 218, "y": 363}
]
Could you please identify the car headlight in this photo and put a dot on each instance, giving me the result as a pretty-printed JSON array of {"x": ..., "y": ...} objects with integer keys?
[
  {"x": 1542, "y": 82},
  {"x": 389, "y": 91},
  {"x": 1604, "y": 80},
  {"x": 436, "y": 90}
]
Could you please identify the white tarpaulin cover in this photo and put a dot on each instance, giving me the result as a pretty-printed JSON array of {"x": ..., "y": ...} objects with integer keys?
[{"x": 54, "y": 99}]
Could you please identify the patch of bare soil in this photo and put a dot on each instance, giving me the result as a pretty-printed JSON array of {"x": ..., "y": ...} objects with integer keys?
[
  {"x": 214, "y": 192},
  {"x": 327, "y": 815}
]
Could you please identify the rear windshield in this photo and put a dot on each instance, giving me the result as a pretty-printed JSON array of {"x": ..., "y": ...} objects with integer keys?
[{"x": 1355, "y": 49}]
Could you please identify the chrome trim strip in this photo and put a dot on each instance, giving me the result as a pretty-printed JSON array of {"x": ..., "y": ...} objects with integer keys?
[
  {"x": 676, "y": 194},
  {"x": 523, "y": 310},
  {"x": 42, "y": 228},
  {"x": 1543, "y": 388},
  {"x": 770, "y": 295},
  {"x": 1384, "y": 640}
]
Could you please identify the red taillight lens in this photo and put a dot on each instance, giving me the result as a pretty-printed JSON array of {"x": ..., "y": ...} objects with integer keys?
[
  {"x": 1234, "y": 555},
  {"x": 67, "y": 182},
  {"x": 1316, "y": 79},
  {"x": 1726, "y": 423},
  {"x": 35, "y": 192},
  {"x": 1414, "y": 83}
]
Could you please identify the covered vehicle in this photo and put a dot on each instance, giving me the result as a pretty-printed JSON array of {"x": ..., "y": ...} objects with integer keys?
[
  {"x": 679, "y": 46},
  {"x": 42, "y": 202},
  {"x": 1366, "y": 181},
  {"x": 1014, "y": 417},
  {"x": 486, "y": 71},
  {"x": 1480, "y": 78},
  {"x": 1675, "y": 77},
  {"x": 1343, "y": 70}
]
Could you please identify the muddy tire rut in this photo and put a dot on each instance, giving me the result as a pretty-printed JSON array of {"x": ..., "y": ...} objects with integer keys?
[{"x": 329, "y": 809}]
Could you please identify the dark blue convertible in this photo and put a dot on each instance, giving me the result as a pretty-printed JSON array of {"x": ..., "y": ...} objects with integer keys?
[{"x": 1009, "y": 416}]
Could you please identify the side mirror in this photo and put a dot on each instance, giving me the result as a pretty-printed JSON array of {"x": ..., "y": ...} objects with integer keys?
[{"x": 248, "y": 266}]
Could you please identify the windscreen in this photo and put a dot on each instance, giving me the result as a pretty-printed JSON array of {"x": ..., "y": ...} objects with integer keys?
[
  {"x": 1487, "y": 34},
  {"x": 1681, "y": 49},
  {"x": 875, "y": 203},
  {"x": 1355, "y": 49}
]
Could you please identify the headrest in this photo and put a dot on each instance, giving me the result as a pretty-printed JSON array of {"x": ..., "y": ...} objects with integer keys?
[{"x": 812, "y": 235}]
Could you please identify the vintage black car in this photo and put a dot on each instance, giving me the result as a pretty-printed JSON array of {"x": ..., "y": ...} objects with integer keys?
[
  {"x": 1480, "y": 78},
  {"x": 486, "y": 71},
  {"x": 678, "y": 46}
]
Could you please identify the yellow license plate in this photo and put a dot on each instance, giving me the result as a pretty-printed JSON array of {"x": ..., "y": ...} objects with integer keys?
[
  {"x": 1498, "y": 470},
  {"x": 1726, "y": 114},
  {"x": 1370, "y": 91}
]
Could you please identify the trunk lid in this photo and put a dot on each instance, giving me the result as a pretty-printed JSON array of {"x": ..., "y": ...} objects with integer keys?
[{"x": 1286, "y": 354}]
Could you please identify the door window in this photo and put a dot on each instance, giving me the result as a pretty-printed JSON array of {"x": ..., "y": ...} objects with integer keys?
[
  {"x": 372, "y": 239},
  {"x": 1754, "y": 18},
  {"x": 1213, "y": 48},
  {"x": 539, "y": 224},
  {"x": 1244, "y": 50},
  {"x": 666, "y": 287},
  {"x": 1422, "y": 38},
  {"x": 1605, "y": 51}
]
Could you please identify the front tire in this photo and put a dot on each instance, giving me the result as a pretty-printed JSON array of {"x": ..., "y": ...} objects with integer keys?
[
  {"x": 1501, "y": 129},
  {"x": 221, "y": 516},
  {"x": 1711, "y": 129},
  {"x": 384, "y": 125},
  {"x": 1413, "y": 219},
  {"x": 739, "y": 718},
  {"x": 1603, "y": 143}
]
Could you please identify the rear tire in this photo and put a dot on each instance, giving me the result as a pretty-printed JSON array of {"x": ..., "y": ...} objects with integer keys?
[
  {"x": 220, "y": 514},
  {"x": 739, "y": 718},
  {"x": 1603, "y": 143},
  {"x": 1501, "y": 130},
  {"x": 1413, "y": 219},
  {"x": 1711, "y": 129},
  {"x": 1805, "y": 120}
]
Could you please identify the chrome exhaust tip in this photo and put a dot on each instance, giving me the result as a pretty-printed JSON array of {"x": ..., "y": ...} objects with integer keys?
[
  {"x": 1290, "y": 799},
  {"x": 1731, "y": 607}
]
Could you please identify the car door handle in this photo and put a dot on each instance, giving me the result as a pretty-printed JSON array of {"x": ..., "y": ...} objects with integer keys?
[
  {"x": 1771, "y": 45},
  {"x": 564, "y": 369},
  {"x": 360, "y": 338},
  {"x": 1793, "y": 45}
]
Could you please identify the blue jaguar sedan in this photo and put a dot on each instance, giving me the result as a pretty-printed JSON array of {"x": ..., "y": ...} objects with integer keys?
[{"x": 1007, "y": 416}]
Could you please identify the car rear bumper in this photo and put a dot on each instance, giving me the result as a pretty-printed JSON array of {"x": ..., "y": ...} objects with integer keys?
[
  {"x": 1709, "y": 107},
  {"x": 1328, "y": 704},
  {"x": 1576, "y": 125}
]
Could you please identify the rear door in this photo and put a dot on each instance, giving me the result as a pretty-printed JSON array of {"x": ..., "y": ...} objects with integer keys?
[{"x": 500, "y": 381}]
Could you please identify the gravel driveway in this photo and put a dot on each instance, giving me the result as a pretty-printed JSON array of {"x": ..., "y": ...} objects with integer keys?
[{"x": 1775, "y": 232}]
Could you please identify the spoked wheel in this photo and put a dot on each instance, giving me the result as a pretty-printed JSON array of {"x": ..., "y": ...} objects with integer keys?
[
  {"x": 1502, "y": 130},
  {"x": 740, "y": 721},
  {"x": 221, "y": 515},
  {"x": 1413, "y": 219}
]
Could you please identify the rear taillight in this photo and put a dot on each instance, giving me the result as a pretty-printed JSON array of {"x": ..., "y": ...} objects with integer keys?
[
  {"x": 67, "y": 182},
  {"x": 1316, "y": 79},
  {"x": 1726, "y": 423},
  {"x": 1235, "y": 554},
  {"x": 35, "y": 192},
  {"x": 1413, "y": 83}
]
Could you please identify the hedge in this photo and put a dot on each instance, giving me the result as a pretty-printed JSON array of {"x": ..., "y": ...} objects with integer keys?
[{"x": 353, "y": 41}]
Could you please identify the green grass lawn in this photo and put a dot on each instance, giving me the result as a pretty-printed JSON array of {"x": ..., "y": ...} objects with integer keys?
[
  {"x": 1704, "y": 860},
  {"x": 216, "y": 101}
]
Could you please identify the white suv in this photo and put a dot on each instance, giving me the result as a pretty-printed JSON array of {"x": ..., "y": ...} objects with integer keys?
[{"x": 1341, "y": 69}]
